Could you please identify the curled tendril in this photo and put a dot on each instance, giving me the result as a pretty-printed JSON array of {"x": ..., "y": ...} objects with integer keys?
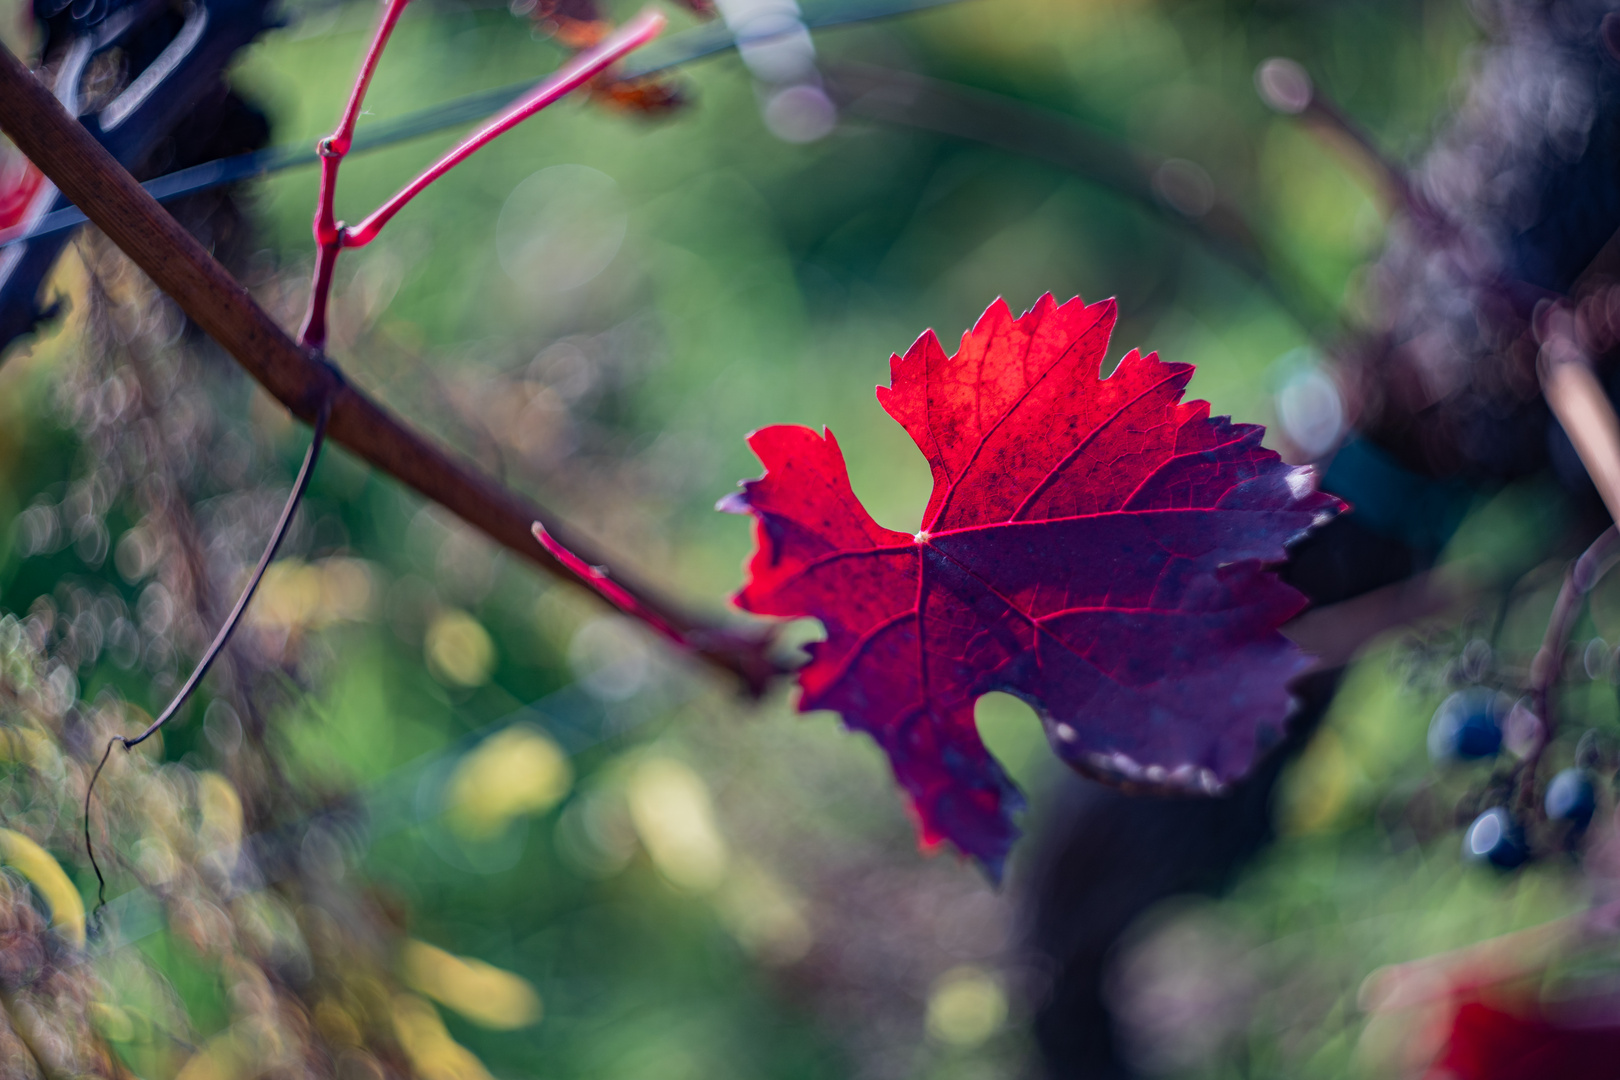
[{"x": 215, "y": 647}]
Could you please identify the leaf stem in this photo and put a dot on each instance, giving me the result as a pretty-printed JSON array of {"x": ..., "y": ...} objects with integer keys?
[
  {"x": 568, "y": 78},
  {"x": 678, "y": 49},
  {"x": 332, "y": 235}
]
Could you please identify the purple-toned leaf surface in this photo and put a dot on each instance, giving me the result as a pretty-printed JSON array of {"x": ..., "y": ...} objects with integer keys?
[{"x": 1093, "y": 546}]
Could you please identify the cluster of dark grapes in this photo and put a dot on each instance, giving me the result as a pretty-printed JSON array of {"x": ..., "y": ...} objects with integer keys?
[{"x": 1473, "y": 725}]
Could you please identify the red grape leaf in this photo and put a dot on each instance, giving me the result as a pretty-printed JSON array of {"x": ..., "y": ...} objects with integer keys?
[{"x": 1093, "y": 546}]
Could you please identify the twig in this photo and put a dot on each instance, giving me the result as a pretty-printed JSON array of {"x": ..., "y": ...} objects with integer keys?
[
  {"x": 206, "y": 292},
  {"x": 568, "y": 78},
  {"x": 1581, "y": 578},
  {"x": 1287, "y": 87},
  {"x": 1578, "y": 401},
  {"x": 1583, "y": 409},
  {"x": 328, "y": 231},
  {"x": 332, "y": 236},
  {"x": 311, "y": 456}
]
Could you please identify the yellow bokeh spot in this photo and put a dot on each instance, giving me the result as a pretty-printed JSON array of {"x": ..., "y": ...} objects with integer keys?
[
  {"x": 673, "y": 815},
  {"x": 114, "y": 1023},
  {"x": 335, "y": 1024},
  {"x": 222, "y": 1058},
  {"x": 481, "y": 992},
  {"x": 434, "y": 1054},
  {"x": 46, "y": 874},
  {"x": 459, "y": 650},
  {"x": 514, "y": 772},
  {"x": 966, "y": 1007},
  {"x": 25, "y": 747},
  {"x": 763, "y": 915},
  {"x": 1371, "y": 727},
  {"x": 221, "y": 809},
  {"x": 1316, "y": 788},
  {"x": 295, "y": 594}
]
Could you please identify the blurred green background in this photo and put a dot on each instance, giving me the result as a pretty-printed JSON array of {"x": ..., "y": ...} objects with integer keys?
[{"x": 598, "y": 308}]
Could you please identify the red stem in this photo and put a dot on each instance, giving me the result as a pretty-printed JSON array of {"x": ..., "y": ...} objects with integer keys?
[
  {"x": 568, "y": 78},
  {"x": 344, "y": 135},
  {"x": 328, "y": 230},
  {"x": 313, "y": 333},
  {"x": 597, "y": 580},
  {"x": 331, "y": 235}
]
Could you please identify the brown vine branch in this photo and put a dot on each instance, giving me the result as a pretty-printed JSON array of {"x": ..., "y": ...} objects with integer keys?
[{"x": 87, "y": 175}]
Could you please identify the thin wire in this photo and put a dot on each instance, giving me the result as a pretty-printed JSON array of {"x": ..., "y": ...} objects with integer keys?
[{"x": 217, "y": 646}]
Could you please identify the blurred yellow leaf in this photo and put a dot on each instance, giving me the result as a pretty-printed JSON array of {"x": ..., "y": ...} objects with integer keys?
[
  {"x": 435, "y": 1055},
  {"x": 221, "y": 1058},
  {"x": 1316, "y": 788},
  {"x": 670, "y": 807},
  {"x": 45, "y": 874},
  {"x": 516, "y": 771},
  {"x": 114, "y": 1023},
  {"x": 763, "y": 914},
  {"x": 295, "y": 594},
  {"x": 481, "y": 992},
  {"x": 221, "y": 809},
  {"x": 459, "y": 650},
  {"x": 23, "y": 746}
]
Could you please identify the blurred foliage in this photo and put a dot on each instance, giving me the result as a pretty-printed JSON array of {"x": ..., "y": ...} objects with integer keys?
[{"x": 491, "y": 829}]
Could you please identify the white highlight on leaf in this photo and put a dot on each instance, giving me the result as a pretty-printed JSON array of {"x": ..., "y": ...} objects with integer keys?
[
  {"x": 1186, "y": 776},
  {"x": 1301, "y": 481}
]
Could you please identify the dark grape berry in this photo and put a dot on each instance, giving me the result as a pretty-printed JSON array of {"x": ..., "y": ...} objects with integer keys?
[
  {"x": 1495, "y": 838},
  {"x": 1572, "y": 797},
  {"x": 1466, "y": 726}
]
